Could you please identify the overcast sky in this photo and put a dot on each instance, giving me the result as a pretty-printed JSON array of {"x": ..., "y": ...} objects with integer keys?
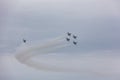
[{"x": 95, "y": 22}]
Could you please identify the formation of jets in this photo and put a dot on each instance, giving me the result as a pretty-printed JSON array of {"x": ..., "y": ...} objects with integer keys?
[
  {"x": 67, "y": 38},
  {"x": 73, "y": 36}
]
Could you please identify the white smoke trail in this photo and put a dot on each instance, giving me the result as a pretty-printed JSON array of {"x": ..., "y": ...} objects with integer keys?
[
  {"x": 39, "y": 47},
  {"x": 30, "y": 62},
  {"x": 25, "y": 55}
]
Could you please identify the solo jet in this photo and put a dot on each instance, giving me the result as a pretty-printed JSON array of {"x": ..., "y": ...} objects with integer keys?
[
  {"x": 69, "y": 34},
  {"x": 75, "y": 43},
  {"x": 74, "y": 36},
  {"x": 24, "y": 40},
  {"x": 67, "y": 39}
]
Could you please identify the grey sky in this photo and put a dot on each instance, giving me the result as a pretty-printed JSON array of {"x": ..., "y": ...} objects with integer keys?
[{"x": 96, "y": 22}]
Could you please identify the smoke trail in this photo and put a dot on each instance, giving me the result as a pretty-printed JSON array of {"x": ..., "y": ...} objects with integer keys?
[
  {"x": 39, "y": 47},
  {"x": 25, "y": 55}
]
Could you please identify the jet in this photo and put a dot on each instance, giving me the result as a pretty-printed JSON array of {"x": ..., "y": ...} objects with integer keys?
[
  {"x": 74, "y": 36},
  {"x": 75, "y": 43},
  {"x": 67, "y": 39},
  {"x": 69, "y": 34},
  {"x": 24, "y": 40}
]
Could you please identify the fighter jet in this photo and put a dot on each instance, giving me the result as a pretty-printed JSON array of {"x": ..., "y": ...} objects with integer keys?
[
  {"x": 74, "y": 36},
  {"x": 69, "y": 34},
  {"x": 67, "y": 39},
  {"x": 24, "y": 40},
  {"x": 75, "y": 43}
]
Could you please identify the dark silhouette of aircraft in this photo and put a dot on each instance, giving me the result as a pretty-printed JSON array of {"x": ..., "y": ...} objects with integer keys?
[
  {"x": 67, "y": 39},
  {"x": 74, "y": 36},
  {"x": 69, "y": 34},
  {"x": 75, "y": 43},
  {"x": 24, "y": 40}
]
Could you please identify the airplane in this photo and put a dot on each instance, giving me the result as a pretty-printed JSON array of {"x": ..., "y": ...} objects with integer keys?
[
  {"x": 69, "y": 34},
  {"x": 74, "y": 36},
  {"x": 75, "y": 43},
  {"x": 67, "y": 39},
  {"x": 24, "y": 40}
]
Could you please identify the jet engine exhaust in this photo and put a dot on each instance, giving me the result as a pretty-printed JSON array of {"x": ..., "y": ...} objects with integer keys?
[{"x": 25, "y": 55}]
